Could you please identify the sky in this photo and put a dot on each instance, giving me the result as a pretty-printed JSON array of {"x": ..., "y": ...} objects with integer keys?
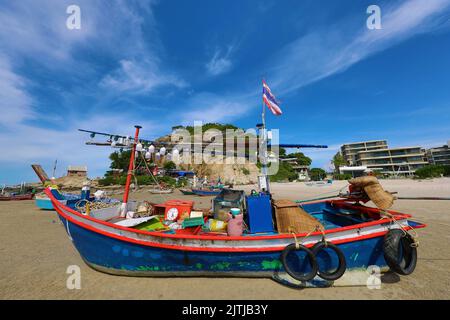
[{"x": 165, "y": 63}]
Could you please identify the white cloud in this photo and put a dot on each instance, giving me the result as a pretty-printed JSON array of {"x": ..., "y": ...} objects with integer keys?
[
  {"x": 15, "y": 103},
  {"x": 208, "y": 107},
  {"x": 322, "y": 53},
  {"x": 35, "y": 32},
  {"x": 43, "y": 145},
  {"x": 142, "y": 76},
  {"x": 219, "y": 63}
]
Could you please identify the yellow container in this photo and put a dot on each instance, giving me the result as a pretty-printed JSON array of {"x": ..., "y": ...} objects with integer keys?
[{"x": 216, "y": 225}]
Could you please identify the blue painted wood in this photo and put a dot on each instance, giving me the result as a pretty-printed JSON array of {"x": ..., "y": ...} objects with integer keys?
[
  {"x": 202, "y": 192},
  {"x": 44, "y": 204},
  {"x": 120, "y": 257}
]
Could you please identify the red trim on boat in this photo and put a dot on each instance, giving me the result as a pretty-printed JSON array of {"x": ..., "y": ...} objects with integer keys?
[
  {"x": 57, "y": 206},
  {"x": 228, "y": 238}
]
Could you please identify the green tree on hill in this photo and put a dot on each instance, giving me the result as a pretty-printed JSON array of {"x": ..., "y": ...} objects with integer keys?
[
  {"x": 317, "y": 174},
  {"x": 301, "y": 158},
  {"x": 120, "y": 160}
]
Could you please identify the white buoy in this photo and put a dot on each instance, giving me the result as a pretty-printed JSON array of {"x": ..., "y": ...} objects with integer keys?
[
  {"x": 151, "y": 149},
  {"x": 175, "y": 156},
  {"x": 139, "y": 147},
  {"x": 148, "y": 155},
  {"x": 157, "y": 155},
  {"x": 162, "y": 151}
]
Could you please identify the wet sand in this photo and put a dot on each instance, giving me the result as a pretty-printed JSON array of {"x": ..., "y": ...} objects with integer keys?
[{"x": 35, "y": 253}]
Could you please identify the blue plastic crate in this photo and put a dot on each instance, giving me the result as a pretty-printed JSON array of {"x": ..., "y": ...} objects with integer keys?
[{"x": 259, "y": 213}]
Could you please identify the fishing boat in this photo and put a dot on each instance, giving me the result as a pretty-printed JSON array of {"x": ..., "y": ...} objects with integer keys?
[
  {"x": 16, "y": 197},
  {"x": 43, "y": 202},
  {"x": 111, "y": 248},
  {"x": 186, "y": 191},
  {"x": 352, "y": 237},
  {"x": 319, "y": 183},
  {"x": 160, "y": 191},
  {"x": 206, "y": 192}
]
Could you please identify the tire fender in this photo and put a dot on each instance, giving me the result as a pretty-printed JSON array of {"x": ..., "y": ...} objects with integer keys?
[
  {"x": 342, "y": 263},
  {"x": 312, "y": 259},
  {"x": 399, "y": 251}
]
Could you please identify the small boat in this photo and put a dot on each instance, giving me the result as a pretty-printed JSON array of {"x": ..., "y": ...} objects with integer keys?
[
  {"x": 43, "y": 202},
  {"x": 319, "y": 183},
  {"x": 206, "y": 192},
  {"x": 187, "y": 191},
  {"x": 15, "y": 197},
  {"x": 160, "y": 191}
]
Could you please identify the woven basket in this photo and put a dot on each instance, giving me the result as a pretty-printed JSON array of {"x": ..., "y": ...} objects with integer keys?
[
  {"x": 381, "y": 198},
  {"x": 363, "y": 181},
  {"x": 291, "y": 218}
]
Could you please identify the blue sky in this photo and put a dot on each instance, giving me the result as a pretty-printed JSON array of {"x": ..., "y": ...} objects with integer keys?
[{"x": 163, "y": 63}]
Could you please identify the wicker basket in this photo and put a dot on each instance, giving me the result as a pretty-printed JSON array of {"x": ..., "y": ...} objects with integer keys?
[
  {"x": 381, "y": 198},
  {"x": 363, "y": 181},
  {"x": 291, "y": 218}
]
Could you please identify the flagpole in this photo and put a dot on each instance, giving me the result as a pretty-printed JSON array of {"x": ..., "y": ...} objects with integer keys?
[{"x": 264, "y": 143}]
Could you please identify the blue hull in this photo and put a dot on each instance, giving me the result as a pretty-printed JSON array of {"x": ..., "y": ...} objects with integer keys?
[
  {"x": 206, "y": 192},
  {"x": 44, "y": 204},
  {"x": 115, "y": 256}
]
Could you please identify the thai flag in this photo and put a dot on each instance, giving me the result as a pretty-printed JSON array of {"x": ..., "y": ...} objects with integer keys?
[{"x": 270, "y": 101}]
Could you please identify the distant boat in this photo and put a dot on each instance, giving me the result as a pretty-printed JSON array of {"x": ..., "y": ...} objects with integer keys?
[
  {"x": 206, "y": 192},
  {"x": 160, "y": 191},
  {"x": 187, "y": 191},
  {"x": 12, "y": 197},
  {"x": 319, "y": 183},
  {"x": 43, "y": 202}
]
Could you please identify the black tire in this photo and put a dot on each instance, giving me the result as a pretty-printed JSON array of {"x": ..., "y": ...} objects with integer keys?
[
  {"x": 296, "y": 275},
  {"x": 399, "y": 252},
  {"x": 342, "y": 263}
]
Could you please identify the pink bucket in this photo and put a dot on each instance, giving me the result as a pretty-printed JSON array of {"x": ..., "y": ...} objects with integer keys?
[{"x": 235, "y": 225}]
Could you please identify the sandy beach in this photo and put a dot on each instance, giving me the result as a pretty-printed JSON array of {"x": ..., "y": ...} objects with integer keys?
[{"x": 35, "y": 253}]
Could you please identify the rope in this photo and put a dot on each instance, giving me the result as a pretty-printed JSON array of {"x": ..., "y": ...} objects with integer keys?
[
  {"x": 414, "y": 236},
  {"x": 154, "y": 178},
  {"x": 297, "y": 243},
  {"x": 325, "y": 193}
]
